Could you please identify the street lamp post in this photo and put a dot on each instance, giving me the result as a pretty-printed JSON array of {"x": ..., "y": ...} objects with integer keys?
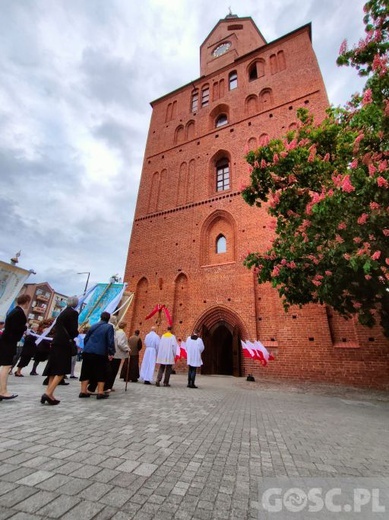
[{"x": 87, "y": 280}]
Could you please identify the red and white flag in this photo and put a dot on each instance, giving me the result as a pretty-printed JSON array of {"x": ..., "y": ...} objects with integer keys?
[
  {"x": 247, "y": 350},
  {"x": 181, "y": 350},
  {"x": 256, "y": 350},
  {"x": 262, "y": 353}
]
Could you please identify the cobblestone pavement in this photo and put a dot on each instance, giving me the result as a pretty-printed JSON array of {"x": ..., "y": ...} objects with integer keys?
[{"x": 182, "y": 453}]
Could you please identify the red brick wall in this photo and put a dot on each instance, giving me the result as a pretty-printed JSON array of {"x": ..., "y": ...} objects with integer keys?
[{"x": 172, "y": 258}]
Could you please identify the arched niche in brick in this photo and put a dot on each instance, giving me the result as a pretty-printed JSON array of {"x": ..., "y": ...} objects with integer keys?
[
  {"x": 171, "y": 110},
  {"x": 277, "y": 62},
  {"x": 220, "y": 109},
  {"x": 265, "y": 99},
  {"x": 182, "y": 188},
  {"x": 251, "y": 105},
  {"x": 179, "y": 134},
  {"x": 181, "y": 303},
  {"x": 219, "y": 223},
  {"x": 215, "y": 160},
  {"x": 164, "y": 186},
  {"x": 252, "y": 143},
  {"x": 263, "y": 139},
  {"x": 140, "y": 303},
  {"x": 191, "y": 181},
  {"x": 281, "y": 62},
  {"x": 190, "y": 130},
  {"x": 154, "y": 193}
]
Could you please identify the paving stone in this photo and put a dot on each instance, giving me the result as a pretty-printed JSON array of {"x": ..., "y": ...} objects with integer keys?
[
  {"x": 59, "y": 506},
  {"x": 84, "y": 510},
  {"x": 35, "y": 478}
]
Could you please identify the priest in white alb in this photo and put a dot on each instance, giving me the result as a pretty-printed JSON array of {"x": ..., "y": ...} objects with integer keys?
[
  {"x": 167, "y": 350},
  {"x": 148, "y": 363},
  {"x": 194, "y": 349}
]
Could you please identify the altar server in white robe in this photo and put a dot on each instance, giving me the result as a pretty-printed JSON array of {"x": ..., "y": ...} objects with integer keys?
[
  {"x": 194, "y": 349},
  {"x": 150, "y": 356},
  {"x": 167, "y": 350}
]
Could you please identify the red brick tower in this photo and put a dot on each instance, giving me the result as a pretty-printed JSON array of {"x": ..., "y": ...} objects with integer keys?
[{"x": 192, "y": 228}]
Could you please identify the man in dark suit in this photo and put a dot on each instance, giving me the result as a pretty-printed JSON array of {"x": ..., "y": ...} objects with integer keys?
[{"x": 15, "y": 325}]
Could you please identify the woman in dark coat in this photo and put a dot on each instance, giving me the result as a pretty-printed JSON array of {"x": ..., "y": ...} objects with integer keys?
[
  {"x": 15, "y": 325},
  {"x": 59, "y": 362}
]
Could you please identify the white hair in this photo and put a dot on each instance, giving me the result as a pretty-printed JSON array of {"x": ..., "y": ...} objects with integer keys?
[{"x": 72, "y": 301}]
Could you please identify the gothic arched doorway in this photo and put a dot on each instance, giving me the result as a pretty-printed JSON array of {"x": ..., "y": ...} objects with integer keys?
[
  {"x": 221, "y": 331},
  {"x": 217, "y": 357}
]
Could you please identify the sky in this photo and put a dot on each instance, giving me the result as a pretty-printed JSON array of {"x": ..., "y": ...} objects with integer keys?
[{"x": 77, "y": 78}]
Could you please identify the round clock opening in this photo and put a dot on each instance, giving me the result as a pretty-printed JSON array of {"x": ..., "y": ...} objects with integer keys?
[{"x": 221, "y": 49}]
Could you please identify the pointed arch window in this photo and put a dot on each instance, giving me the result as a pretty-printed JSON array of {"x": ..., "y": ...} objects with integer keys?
[
  {"x": 223, "y": 175},
  {"x": 221, "y": 244},
  {"x": 233, "y": 80}
]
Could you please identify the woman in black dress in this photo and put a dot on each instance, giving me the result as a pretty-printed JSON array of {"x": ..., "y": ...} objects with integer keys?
[
  {"x": 59, "y": 362},
  {"x": 15, "y": 325}
]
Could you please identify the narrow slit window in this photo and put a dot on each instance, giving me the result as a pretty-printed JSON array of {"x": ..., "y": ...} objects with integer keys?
[
  {"x": 233, "y": 79},
  {"x": 221, "y": 244},
  {"x": 205, "y": 97},
  {"x": 253, "y": 74},
  {"x": 195, "y": 101}
]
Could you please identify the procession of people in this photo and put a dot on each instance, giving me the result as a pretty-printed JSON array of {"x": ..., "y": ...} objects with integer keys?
[{"x": 105, "y": 348}]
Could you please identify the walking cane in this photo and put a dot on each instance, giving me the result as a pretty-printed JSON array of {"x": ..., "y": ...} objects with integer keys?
[{"x": 127, "y": 371}]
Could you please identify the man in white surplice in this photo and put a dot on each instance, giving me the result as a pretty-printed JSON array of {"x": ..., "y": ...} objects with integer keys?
[
  {"x": 167, "y": 351},
  {"x": 194, "y": 349},
  {"x": 150, "y": 356}
]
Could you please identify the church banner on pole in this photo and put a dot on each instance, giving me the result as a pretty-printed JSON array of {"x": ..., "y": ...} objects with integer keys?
[
  {"x": 104, "y": 297},
  {"x": 12, "y": 279}
]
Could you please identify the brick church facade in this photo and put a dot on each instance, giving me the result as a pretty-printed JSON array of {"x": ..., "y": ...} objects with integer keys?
[{"x": 192, "y": 229}]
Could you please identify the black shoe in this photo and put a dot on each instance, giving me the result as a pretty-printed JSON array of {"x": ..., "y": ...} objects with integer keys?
[
  {"x": 194, "y": 386},
  {"x": 46, "y": 399},
  {"x": 102, "y": 396},
  {"x": 82, "y": 394},
  {"x": 147, "y": 383},
  {"x": 63, "y": 382},
  {"x": 73, "y": 377},
  {"x": 157, "y": 383},
  {"x": 34, "y": 374},
  {"x": 12, "y": 396},
  {"x": 166, "y": 384}
]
